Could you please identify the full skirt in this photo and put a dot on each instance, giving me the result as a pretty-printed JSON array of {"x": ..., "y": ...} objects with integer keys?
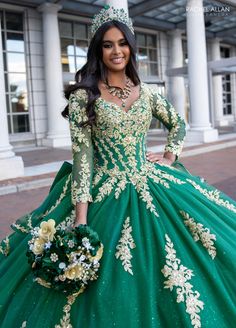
[{"x": 172, "y": 268}]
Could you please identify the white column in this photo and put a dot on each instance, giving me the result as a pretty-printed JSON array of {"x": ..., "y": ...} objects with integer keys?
[
  {"x": 58, "y": 130},
  {"x": 11, "y": 166},
  {"x": 217, "y": 86},
  {"x": 201, "y": 129},
  {"x": 177, "y": 89},
  {"x": 118, "y": 4}
]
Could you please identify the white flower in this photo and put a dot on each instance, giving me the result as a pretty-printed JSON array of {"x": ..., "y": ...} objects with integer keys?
[
  {"x": 82, "y": 258},
  {"x": 47, "y": 245},
  {"x": 71, "y": 243},
  {"x": 62, "y": 265},
  {"x": 54, "y": 257},
  {"x": 86, "y": 243}
]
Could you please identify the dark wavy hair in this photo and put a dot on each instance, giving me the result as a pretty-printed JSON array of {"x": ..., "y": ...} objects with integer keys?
[{"x": 94, "y": 70}]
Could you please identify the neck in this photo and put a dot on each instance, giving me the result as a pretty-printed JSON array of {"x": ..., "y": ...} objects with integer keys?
[{"x": 117, "y": 79}]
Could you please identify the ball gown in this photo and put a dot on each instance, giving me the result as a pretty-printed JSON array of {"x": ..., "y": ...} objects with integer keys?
[{"x": 169, "y": 238}]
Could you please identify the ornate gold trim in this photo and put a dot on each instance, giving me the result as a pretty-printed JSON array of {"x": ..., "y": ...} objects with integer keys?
[
  {"x": 126, "y": 243},
  {"x": 65, "y": 321},
  {"x": 199, "y": 232},
  {"x": 213, "y": 195},
  {"x": 178, "y": 276}
]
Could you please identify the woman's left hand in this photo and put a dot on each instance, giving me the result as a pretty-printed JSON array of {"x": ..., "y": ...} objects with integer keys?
[{"x": 157, "y": 158}]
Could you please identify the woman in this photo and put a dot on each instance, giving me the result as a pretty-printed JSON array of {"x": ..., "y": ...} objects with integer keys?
[{"x": 169, "y": 239}]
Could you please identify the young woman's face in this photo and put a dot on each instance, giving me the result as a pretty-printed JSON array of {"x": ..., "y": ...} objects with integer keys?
[{"x": 115, "y": 50}]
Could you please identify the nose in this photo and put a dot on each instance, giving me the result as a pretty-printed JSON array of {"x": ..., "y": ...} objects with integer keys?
[{"x": 117, "y": 49}]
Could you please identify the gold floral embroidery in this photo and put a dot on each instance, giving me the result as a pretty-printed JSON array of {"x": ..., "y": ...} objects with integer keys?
[
  {"x": 68, "y": 222},
  {"x": 165, "y": 112},
  {"x": 65, "y": 321},
  {"x": 118, "y": 142},
  {"x": 43, "y": 282},
  {"x": 5, "y": 247},
  {"x": 20, "y": 228},
  {"x": 63, "y": 194},
  {"x": 82, "y": 148},
  {"x": 24, "y": 229},
  {"x": 126, "y": 243},
  {"x": 178, "y": 276},
  {"x": 117, "y": 181},
  {"x": 200, "y": 233},
  {"x": 213, "y": 195}
]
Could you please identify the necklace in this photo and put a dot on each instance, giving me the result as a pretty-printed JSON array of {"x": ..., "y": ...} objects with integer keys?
[{"x": 120, "y": 93}]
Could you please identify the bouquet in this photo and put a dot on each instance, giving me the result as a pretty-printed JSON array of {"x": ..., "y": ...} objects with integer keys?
[{"x": 64, "y": 259}]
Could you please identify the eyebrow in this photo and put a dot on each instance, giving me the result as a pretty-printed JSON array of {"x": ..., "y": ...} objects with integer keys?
[{"x": 123, "y": 39}]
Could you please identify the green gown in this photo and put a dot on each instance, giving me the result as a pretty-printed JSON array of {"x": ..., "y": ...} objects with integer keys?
[{"x": 169, "y": 238}]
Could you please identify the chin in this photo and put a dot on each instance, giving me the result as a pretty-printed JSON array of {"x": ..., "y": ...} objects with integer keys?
[{"x": 117, "y": 68}]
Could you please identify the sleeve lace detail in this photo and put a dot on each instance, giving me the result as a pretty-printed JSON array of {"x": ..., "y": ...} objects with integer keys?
[
  {"x": 165, "y": 112},
  {"x": 82, "y": 148}
]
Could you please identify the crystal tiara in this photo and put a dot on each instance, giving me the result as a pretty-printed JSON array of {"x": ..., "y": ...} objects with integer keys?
[{"x": 108, "y": 14}]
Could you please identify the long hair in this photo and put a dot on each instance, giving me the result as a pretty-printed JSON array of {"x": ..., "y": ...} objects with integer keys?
[{"x": 94, "y": 70}]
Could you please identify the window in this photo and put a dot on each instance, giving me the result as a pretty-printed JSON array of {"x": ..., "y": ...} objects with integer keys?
[
  {"x": 15, "y": 71},
  {"x": 226, "y": 83},
  {"x": 185, "y": 52},
  {"x": 147, "y": 54},
  {"x": 74, "y": 45}
]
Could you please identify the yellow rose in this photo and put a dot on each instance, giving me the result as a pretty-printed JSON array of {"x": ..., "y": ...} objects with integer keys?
[
  {"x": 74, "y": 272},
  {"x": 47, "y": 230},
  {"x": 38, "y": 246},
  {"x": 98, "y": 255}
]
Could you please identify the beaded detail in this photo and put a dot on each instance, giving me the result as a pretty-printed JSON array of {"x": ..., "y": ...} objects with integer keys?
[
  {"x": 111, "y": 154},
  {"x": 108, "y": 14},
  {"x": 126, "y": 243},
  {"x": 178, "y": 276}
]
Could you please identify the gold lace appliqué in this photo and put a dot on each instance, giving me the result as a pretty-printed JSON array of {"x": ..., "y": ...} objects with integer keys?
[
  {"x": 65, "y": 321},
  {"x": 67, "y": 222},
  {"x": 213, "y": 195},
  {"x": 178, "y": 276},
  {"x": 126, "y": 243},
  {"x": 63, "y": 194},
  {"x": 199, "y": 232},
  {"x": 22, "y": 228},
  {"x": 5, "y": 247}
]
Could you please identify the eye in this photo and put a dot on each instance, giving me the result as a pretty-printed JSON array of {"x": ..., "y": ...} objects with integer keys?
[
  {"x": 124, "y": 43},
  {"x": 107, "y": 45}
]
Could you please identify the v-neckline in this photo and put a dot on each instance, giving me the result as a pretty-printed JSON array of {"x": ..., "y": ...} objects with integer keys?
[{"x": 118, "y": 106}]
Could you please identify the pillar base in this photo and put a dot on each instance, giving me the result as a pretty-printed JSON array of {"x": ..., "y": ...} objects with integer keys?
[
  {"x": 57, "y": 141},
  {"x": 222, "y": 122},
  {"x": 202, "y": 136},
  {"x": 11, "y": 167}
]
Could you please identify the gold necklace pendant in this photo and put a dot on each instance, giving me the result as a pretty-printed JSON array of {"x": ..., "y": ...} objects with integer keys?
[{"x": 122, "y": 94}]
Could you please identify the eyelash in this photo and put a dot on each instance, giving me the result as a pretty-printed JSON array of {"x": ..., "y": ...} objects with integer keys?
[{"x": 109, "y": 45}]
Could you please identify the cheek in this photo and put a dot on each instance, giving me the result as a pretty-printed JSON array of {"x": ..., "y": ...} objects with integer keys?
[
  {"x": 105, "y": 55},
  {"x": 127, "y": 53}
]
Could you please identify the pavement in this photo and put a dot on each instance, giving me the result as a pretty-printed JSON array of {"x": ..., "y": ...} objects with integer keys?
[{"x": 213, "y": 161}]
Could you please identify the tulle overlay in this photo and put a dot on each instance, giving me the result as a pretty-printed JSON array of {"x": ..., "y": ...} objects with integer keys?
[
  {"x": 189, "y": 248},
  {"x": 169, "y": 238}
]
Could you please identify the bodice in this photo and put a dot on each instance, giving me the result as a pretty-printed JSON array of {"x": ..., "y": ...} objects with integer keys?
[
  {"x": 115, "y": 146},
  {"x": 119, "y": 137}
]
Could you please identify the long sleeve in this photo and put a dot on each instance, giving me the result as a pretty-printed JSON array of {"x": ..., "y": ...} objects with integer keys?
[
  {"x": 82, "y": 148},
  {"x": 165, "y": 112}
]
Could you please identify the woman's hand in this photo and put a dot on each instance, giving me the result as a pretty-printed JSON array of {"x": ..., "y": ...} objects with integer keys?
[
  {"x": 81, "y": 213},
  {"x": 166, "y": 159}
]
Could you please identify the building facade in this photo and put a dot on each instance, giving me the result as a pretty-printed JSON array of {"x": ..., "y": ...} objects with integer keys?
[{"x": 45, "y": 43}]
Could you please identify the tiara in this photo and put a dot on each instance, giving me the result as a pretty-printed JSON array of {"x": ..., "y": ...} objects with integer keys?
[{"x": 108, "y": 14}]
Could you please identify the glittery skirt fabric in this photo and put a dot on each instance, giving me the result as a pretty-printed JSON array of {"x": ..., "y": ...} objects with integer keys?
[{"x": 176, "y": 269}]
